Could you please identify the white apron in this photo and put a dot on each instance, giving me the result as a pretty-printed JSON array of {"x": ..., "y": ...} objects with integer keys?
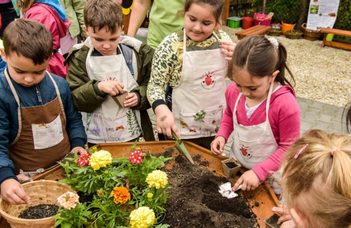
[
  {"x": 110, "y": 122},
  {"x": 199, "y": 100},
  {"x": 254, "y": 144}
]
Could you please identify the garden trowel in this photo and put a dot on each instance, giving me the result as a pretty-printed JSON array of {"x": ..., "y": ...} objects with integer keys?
[{"x": 181, "y": 147}]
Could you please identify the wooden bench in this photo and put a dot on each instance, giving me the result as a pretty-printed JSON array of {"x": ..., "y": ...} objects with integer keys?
[
  {"x": 255, "y": 30},
  {"x": 336, "y": 44}
]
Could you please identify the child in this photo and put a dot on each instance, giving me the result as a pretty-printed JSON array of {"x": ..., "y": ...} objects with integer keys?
[
  {"x": 74, "y": 11},
  {"x": 316, "y": 180},
  {"x": 38, "y": 124},
  {"x": 261, "y": 109},
  {"x": 193, "y": 68},
  {"x": 51, "y": 14},
  {"x": 107, "y": 65}
]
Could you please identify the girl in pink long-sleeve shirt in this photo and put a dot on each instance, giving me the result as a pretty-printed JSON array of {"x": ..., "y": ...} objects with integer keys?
[{"x": 261, "y": 110}]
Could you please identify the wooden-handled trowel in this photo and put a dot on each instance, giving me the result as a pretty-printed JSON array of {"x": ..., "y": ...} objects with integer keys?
[{"x": 181, "y": 147}]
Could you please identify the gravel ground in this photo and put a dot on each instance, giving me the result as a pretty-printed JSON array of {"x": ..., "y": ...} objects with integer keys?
[{"x": 321, "y": 73}]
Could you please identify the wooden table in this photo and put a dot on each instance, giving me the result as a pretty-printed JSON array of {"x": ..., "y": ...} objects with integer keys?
[{"x": 255, "y": 30}]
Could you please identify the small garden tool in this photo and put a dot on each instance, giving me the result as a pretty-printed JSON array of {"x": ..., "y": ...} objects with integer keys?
[{"x": 181, "y": 147}]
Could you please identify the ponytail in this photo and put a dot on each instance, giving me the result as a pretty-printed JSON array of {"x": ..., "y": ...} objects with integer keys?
[{"x": 281, "y": 66}]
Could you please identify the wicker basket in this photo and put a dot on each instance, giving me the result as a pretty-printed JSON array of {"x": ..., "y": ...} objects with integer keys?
[
  {"x": 40, "y": 192},
  {"x": 309, "y": 34}
]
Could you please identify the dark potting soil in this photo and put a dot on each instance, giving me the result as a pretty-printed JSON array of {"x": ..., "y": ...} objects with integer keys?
[
  {"x": 39, "y": 211},
  {"x": 231, "y": 164},
  {"x": 194, "y": 200}
]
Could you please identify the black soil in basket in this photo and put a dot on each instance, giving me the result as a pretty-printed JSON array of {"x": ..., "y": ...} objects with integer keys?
[
  {"x": 194, "y": 200},
  {"x": 39, "y": 211}
]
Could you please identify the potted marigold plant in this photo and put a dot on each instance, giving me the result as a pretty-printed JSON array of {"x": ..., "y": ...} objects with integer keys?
[{"x": 121, "y": 192}]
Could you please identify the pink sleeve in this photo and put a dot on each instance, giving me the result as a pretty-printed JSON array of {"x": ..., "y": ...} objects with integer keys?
[
  {"x": 44, "y": 17},
  {"x": 226, "y": 127},
  {"x": 285, "y": 122}
]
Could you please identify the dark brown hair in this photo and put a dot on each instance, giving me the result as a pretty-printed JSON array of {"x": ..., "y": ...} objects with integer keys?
[
  {"x": 99, "y": 14},
  {"x": 29, "y": 39},
  {"x": 217, "y": 6},
  {"x": 261, "y": 57}
]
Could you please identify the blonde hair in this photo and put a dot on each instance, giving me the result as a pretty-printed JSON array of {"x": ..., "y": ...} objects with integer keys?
[{"x": 316, "y": 178}]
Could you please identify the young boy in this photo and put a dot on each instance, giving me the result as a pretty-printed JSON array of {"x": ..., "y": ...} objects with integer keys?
[
  {"x": 107, "y": 65},
  {"x": 38, "y": 122}
]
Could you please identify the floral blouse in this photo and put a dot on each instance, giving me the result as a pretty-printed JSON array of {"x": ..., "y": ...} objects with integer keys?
[{"x": 168, "y": 59}]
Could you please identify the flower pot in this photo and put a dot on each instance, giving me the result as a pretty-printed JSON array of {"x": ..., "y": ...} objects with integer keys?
[
  {"x": 275, "y": 32},
  {"x": 292, "y": 34},
  {"x": 230, "y": 167},
  {"x": 287, "y": 27},
  {"x": 42, "y": 191},
  {"x": 310, "y": 34},
  {"x": 247, "y": 22},
  {"x": 329, "y": 37},
  {"x": 234, "y": 22},
  {"x": 262, "y": 19}
]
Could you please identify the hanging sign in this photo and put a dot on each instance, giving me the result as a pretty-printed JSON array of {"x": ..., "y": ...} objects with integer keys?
[{"x": 322, "y": 14}]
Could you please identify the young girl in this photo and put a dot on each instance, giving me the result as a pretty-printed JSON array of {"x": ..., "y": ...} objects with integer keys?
[
  {"x": 261, "y": 109},
  {"x": 316, "y": 180},
  {"x": 51, "y": 14},
  {"x": 191, "y": 64}
]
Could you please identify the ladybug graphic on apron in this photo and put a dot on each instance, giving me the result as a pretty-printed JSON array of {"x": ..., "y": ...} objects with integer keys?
[
  {"x": 208, "y": 81},
  {"x": 245, "y": 152}
]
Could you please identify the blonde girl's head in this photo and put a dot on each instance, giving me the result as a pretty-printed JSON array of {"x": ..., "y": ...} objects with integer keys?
[{"x": 316, "y": 179}]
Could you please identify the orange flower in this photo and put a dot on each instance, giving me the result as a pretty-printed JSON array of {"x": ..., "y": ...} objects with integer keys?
[{"x": 120, "y": 195}]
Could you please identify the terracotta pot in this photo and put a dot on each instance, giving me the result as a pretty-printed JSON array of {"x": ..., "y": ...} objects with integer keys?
[{"x": 287, "y": 27}]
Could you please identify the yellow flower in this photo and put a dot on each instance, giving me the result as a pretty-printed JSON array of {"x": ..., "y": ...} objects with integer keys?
[
  {"x": 157, "y": 179},
  {"x": 100, "y": 192},
  {"x": 143, "y": 217},
  {"x": 100, "y": 159},
  {"x": 150, "y": 195},
  {"x": 120, "y": 195}
]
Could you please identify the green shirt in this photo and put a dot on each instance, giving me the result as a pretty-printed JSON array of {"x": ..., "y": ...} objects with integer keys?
[{"x": 165, "y": 17}]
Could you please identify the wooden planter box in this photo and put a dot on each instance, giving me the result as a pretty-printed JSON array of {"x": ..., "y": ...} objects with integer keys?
[{"x": 263, "y": 194}]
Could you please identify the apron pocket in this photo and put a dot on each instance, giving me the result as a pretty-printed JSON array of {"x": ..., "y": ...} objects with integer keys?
[
  {"x": 123, "y": 128},
  {"x": 203, "y": 123}
]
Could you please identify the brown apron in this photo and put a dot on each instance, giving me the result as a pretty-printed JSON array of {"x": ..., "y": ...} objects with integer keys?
[{"x": 27, "y": 154}]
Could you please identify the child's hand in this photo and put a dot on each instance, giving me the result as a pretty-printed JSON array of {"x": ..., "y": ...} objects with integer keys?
[
  {"x": 217, "y": 145},
  {"x": 165, "y": 121},
  {"x": 12, "y": 192},
  {"x": 248, "y": 181},
  {"x": 283, "y": 212},
  {"x": 131, "y": 100},
  {"x": 227, "y": 48},
  {"x": 111, "y": 87}
]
